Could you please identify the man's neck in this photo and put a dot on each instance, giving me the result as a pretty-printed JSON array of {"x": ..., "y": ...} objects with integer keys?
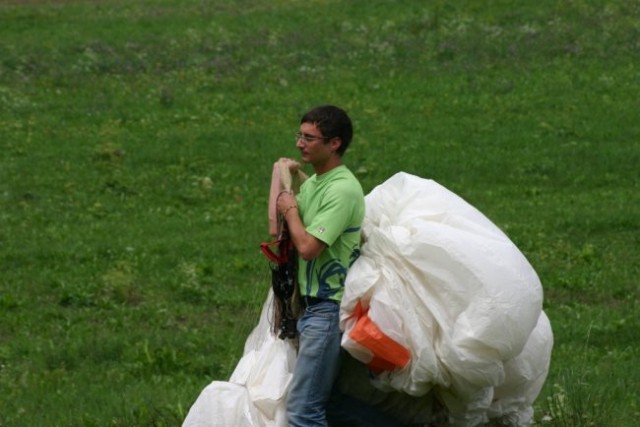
[{"x": 329, "y": 165}]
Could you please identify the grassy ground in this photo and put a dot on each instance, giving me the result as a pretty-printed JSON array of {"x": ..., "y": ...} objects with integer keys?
[{"x": 137, "y": 140}]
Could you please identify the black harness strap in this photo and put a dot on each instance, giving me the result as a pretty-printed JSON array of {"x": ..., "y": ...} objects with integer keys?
[{"x": 283, "y": 264}]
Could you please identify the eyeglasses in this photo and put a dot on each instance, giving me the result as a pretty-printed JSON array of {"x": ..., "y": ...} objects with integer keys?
[{"x": 309, "y": 138}]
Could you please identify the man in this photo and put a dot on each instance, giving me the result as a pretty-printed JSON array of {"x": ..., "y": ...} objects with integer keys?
[{"x": 324, "y": 222}]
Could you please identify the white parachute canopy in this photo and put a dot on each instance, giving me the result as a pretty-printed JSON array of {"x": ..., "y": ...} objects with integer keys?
[
  {"x": 255, "y": 394},
  {"x": 441, "y": 299},
  {"x": 441, "y": 306}
]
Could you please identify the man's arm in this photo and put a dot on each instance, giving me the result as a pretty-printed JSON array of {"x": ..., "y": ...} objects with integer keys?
[{"x": 308, "y": 246}]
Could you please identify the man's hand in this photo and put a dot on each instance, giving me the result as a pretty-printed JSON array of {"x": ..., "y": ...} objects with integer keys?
[
  {"x": 290, "y": 163},
  {"x": 286, "y": 202}
]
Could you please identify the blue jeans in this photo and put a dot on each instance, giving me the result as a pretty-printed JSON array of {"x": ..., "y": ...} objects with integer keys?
[
  {"x": 316, "y": 367},
  {"x": 312, "y": 399}
]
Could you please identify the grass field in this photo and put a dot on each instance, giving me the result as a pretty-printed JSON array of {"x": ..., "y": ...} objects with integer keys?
[{"x": 136, "y": 145}]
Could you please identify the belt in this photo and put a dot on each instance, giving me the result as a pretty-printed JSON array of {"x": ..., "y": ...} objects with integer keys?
[{"x": 309, "y": 301}]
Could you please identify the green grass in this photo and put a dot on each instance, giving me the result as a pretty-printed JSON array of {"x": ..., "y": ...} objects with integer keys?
[{"x": 137, "y": 140}]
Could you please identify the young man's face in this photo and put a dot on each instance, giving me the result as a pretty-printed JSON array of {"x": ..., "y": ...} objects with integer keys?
[{"x": 314, "y": 148}]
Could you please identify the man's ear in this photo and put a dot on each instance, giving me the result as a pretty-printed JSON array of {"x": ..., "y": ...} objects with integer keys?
[{"x": 335, "y": 143}]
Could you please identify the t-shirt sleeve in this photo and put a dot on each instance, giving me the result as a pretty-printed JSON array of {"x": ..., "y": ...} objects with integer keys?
[{"x": 335, "y": 214}]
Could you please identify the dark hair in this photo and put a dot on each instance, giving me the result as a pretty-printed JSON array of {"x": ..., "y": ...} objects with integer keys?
[{"x": 333, "y": 122}]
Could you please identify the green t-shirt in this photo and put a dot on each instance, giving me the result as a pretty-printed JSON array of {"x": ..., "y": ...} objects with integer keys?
[{"x": 332, "y": 209}]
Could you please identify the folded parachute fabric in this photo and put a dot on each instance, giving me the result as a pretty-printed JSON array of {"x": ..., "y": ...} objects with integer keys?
[
  {"x": 254, "y": 395},
  {"x": 441, "y": 307},
  {"x": 458, "y": 300}
]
